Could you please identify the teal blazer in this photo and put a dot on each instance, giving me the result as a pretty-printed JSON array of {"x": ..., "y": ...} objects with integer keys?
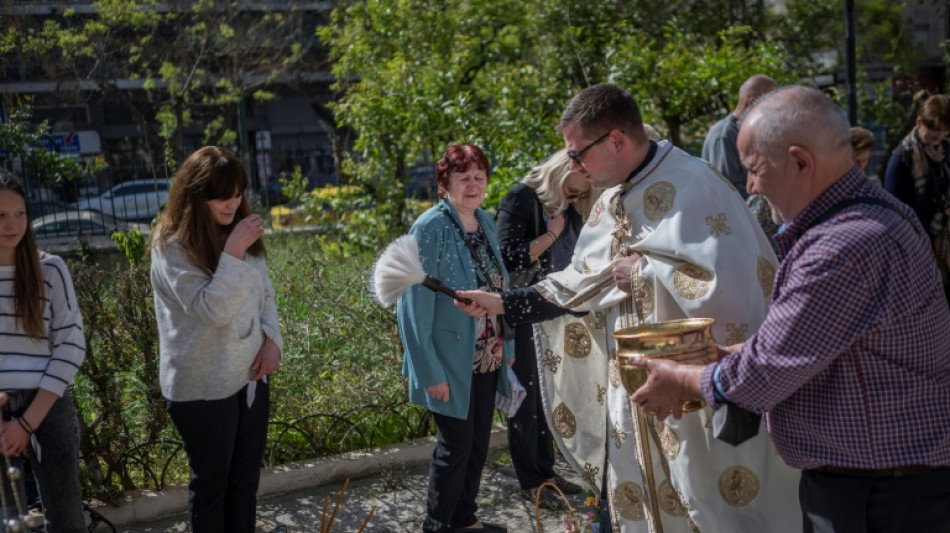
[{"x": 437, "y": 338}]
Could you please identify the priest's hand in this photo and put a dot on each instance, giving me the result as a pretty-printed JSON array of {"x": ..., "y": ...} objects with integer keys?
[
  {"x": 624, "y": 267},
  {"x": 483, "y": 303},
  {"x": 668, "y": 386}
]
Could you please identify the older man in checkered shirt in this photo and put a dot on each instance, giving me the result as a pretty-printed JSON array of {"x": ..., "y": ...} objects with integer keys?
[{"x": 852, "y": 363}]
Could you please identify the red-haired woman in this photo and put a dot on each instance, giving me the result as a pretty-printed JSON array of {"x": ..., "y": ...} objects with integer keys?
[
  {"x": 455, "y": 362},
  {"x": 218, "y": 336},
  {"x": 41, "y": 348}
]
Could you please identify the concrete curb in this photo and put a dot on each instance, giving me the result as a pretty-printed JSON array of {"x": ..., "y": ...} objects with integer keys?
[{"x": 149, "y": 505}]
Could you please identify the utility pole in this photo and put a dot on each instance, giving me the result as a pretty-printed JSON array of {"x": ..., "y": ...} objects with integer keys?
[
  {"x": 242, "y": 137},
  {"x": 241, "y": 109},
  {"x": 851, "y": 62}
]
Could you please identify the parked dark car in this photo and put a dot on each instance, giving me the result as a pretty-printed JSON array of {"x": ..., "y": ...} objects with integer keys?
[
  {"x": 40, "y": 208},
  {"x": 75, "y": 222}
]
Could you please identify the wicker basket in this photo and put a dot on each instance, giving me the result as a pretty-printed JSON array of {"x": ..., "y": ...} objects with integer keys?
[{"x": 537, "y": 503}]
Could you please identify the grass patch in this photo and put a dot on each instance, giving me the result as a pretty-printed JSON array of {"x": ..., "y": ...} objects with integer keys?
[{"x": 339, "y": 387}]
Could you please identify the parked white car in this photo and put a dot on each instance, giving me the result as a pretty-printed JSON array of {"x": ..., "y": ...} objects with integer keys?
[
  {"x": 71, "y": 222},
  {"x": 132, "y": 200}
]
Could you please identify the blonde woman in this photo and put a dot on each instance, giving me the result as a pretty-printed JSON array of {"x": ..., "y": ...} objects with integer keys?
[{"x": 539, "y": 220}]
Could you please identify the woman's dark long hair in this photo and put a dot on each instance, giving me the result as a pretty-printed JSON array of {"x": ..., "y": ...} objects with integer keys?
[
  {"x": 211, "y": 173},
  {"x": 29, "y": 291}
]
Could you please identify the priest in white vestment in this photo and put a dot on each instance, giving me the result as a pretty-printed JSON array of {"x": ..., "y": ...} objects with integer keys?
[{"x": 671, "y": 236}]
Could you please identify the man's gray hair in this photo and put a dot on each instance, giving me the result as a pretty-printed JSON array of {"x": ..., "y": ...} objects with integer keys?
[
  {"x": 601, "y": 108},
  {"x": 755, "y": 86},
  {"x": 797, "y": 115}
]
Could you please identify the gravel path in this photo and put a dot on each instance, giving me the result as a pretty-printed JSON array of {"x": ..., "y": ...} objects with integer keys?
[{"x": 399, "y": 498}]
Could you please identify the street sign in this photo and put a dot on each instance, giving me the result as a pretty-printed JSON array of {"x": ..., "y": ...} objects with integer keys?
[
  {"x": 84, "y": 142},
  {"x": 262, "y": 140}
]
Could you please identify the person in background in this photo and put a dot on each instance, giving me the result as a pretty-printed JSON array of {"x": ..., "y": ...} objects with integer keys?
[
  {"x": 219, "y": 336},
  {"x": 763, "y": 215},
  {"x": 41, "y": 348},
  {"x": 852, "y": 362},
  {"x": 918, "y": 174},
  {"x": 651, "y": 132},
  {"x": 862, "y": 144},
  {"x": 454, "y": 362},
  {"x": 538, "y": 220},
  {"x": 719, "y": 147}
]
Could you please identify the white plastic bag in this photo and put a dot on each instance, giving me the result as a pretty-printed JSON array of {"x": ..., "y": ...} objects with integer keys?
[{"x": 516, "y": 393}]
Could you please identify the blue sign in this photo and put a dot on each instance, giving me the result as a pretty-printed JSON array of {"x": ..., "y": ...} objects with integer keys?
[
  {"x": 64, "y": 143},
  {"x": 72, "y": 143}
]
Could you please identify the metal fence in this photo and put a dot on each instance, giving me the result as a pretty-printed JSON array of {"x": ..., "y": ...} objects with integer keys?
[
  {"x": 129, "y": 193},
  {"x": 98, "y": 206},
  {"x": 106, "y": 203}
]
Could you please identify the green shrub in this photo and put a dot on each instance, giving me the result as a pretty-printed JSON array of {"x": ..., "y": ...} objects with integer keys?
[
  {"x": 363, "y": 217},
  {"x": 132, "y": 244},
  {"x": 339, "y": 387},
  {"x": 345, "y": 387},
  {"x": 125, "y": 434}
]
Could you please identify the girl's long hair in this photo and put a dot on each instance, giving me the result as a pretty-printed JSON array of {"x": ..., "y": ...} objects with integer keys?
[
  {"x": 29, "y": 290},
  {"x": 211, "y": 173}
]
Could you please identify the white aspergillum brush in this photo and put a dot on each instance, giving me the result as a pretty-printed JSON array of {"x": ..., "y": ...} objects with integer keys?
[{"x": 399, "y": 268}]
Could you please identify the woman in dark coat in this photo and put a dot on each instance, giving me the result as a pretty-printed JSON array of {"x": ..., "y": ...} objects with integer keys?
[
  {"x": 918, "y": 174},
  {"x": 539, "y": 220}
]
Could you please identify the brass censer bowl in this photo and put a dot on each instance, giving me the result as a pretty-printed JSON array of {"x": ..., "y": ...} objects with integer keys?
[{"x": 687, "y": 341}]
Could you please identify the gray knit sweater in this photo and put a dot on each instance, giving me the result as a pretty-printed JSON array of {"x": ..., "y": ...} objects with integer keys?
[{"x": 210, "y": 328}]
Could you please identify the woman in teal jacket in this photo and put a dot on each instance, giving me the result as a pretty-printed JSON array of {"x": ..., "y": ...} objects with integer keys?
[{"x": 454, "y": 362}]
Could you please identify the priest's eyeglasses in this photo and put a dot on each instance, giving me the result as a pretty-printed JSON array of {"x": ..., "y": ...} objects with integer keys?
[{"x": 578, "y": 155}]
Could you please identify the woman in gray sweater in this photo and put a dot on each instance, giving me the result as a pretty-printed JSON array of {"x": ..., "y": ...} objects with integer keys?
[{"x": 219, "y": 336}]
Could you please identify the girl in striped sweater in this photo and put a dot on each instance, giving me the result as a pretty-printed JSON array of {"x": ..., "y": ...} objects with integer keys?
[{"x": 41, "y": 348}]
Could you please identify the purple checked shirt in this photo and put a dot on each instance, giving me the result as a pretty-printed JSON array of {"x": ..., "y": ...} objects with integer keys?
[{"x": 852, "y": 363}]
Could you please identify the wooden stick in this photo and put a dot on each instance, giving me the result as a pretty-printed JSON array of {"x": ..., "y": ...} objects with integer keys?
[
  {"x": 436, "y": 285},
  {"x": 337, "y": 506},
  {"x": 366, "y": 522},
  {"x": 323, "y": 517}
]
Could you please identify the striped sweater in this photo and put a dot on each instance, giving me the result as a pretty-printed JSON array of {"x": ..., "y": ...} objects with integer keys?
[{"x": 50, "y": 362}]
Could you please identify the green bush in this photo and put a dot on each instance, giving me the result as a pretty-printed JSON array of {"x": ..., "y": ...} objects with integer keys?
[
  {"x": 339, "y": 387},
  {"x": 363, "y": 217},
  {"x": 126, "y": 439}
]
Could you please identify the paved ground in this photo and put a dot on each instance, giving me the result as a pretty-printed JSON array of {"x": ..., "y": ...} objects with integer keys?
[{"x": 399, "y": 498}]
